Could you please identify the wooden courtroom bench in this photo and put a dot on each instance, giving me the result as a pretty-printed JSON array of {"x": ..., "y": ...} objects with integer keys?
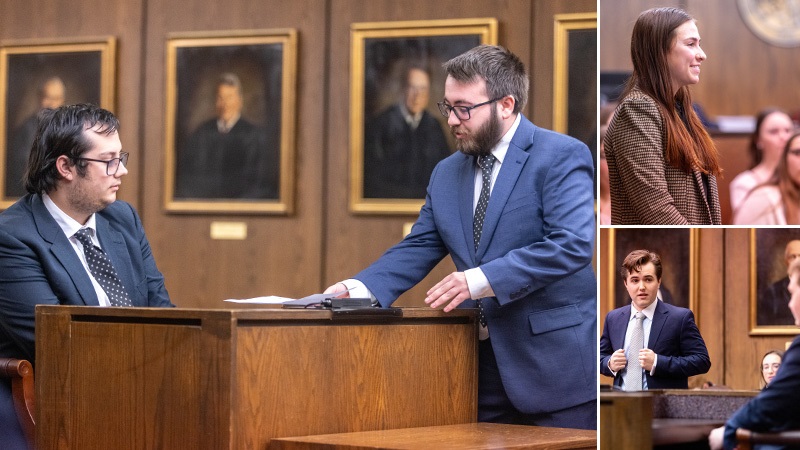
[
  {"x": 476, "y": 436},
  {"x": 640, "y": 420}
]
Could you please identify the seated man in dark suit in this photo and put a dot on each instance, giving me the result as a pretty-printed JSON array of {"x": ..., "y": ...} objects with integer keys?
[
  {"x": 69, "y": 241},
  {"x": 776, "y": 407},
  {"x": 650, "y": 344}
]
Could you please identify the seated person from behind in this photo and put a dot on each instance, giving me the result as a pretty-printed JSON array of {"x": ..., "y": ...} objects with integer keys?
[
  {"x": 775, "y": 408},
  {"x": 74, "y": 171},
  {"x": 659, "y": 350}
]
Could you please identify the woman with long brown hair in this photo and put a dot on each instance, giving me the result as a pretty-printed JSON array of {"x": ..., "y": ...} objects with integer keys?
[
  {"x": 776, "y": 202},
  {"x": 662, "y": 163}
]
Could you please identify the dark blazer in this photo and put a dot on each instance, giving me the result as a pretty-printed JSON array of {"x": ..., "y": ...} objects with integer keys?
[
  {"x": 536, "y": 251},
  {"x": 674, "y": 337},
  {"x": 645, "y": 190},
  {"x": 38, "y": 266},
  {"x": 773, "y": 304},
  {"x": 777, "y": 407}
]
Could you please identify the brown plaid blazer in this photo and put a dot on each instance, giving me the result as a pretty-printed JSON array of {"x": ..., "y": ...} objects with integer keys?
[{"x": 645, "y": 190}]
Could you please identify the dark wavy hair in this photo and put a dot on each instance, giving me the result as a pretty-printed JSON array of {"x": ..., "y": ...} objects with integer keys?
[
  {"x": 60, "y": 132},
  {"x": 636, "y": 259},
  {"x": 502, "y": 70},
  {"x": 689, "y": 146}
]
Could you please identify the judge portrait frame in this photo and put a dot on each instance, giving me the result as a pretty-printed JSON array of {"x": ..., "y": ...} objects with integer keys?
[
  {"x": 46, "y": 74},
  {"x": 230, "y": 122},
  {"x": 397, "y": 134},
  {"x": 769, "y": 297}
]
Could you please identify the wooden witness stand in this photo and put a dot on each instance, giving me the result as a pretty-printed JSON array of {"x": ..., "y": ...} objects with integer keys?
[{"x": 151, "y": 378}]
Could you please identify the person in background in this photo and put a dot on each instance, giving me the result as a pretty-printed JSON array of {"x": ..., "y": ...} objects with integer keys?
[
  {"x": 69, "y": 241},
  {"x": 773, "y": 128},
  {"x": 770, "y": 364},
  {"x": 514, "y": 208},
  {"x": 669, "y": 348},
  {"x": 227, "y": 157},
  {"x": 403, "y": 143},
  {"x": 777, "y": 201},
  {"x": 52, "y": 94},
  {"x": 774, "y": 409},
  {"x": 662, "y": 164}
]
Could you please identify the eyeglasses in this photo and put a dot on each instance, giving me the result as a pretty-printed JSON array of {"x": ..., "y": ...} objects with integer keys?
[
  {"x": 112, "y": 165},
  {"x": 462, "y": 112}
]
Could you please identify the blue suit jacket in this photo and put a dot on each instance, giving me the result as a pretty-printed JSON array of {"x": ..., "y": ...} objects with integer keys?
[
  {"x": 536, "y": 251},
  {"x": 674, "y": 337},
  {"x": 777, "y": 407},
  {"x": 38, "y": 265}
]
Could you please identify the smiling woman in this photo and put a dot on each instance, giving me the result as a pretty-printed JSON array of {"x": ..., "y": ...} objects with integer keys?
[{"x": 662, "y": 163}]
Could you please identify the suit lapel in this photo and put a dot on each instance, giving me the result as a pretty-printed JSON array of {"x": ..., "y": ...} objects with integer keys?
[
  {"x": 466, "y": 198},
  {"x": 624, "y": 317},
  {"x": 659, "y": 319},
  {"x": 63, "y": 251},
  {"x": 515, "y": 159},
  {"x": 698, "y": 179}
]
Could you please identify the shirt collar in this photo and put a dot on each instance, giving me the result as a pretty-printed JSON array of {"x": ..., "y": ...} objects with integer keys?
[
  {"x": 648, "y": 312},
  {"x": 67, "y": 224},
  {"x": 501, "y": 148}
]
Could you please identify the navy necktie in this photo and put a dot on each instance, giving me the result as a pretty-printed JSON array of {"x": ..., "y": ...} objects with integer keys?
[{"x": 102, "y": 270}]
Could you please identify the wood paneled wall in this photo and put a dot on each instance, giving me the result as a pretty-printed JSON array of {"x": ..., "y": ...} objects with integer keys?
[
  {"x": 322, "y": 241},
  {"x": 742, "y": 73},
  {"x": 722, "y": 310}
]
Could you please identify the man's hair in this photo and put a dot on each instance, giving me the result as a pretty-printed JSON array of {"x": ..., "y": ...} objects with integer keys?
[
  {"x": 59, "y": 132},
  {"x": 230, "y": 79},
  {"x": 502, "y": 70},
  {"x": 638, "y": 258}
]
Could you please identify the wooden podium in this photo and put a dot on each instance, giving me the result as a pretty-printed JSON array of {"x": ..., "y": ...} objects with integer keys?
[{"x": 152, "y": 378}]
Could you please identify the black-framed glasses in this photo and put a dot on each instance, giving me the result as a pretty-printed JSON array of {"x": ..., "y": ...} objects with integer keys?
[
  {"x": 112, "y": 165},
  {"x": 462, "y": 112}
]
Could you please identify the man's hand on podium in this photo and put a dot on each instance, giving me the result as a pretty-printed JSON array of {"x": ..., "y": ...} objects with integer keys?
[{"x": 339, "y": 289}]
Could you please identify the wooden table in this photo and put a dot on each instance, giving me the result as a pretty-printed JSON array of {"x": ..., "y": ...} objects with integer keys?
[{"x": 471, "y": 436}]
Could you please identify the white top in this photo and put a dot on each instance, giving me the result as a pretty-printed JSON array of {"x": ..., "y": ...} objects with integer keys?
[
  {"x": 762, "y": 207},
  {"x": 741, "y": 185}
]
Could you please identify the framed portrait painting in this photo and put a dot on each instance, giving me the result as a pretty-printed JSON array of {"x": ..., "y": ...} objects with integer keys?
[
  {"x": 46, "y": 74},
  {"x": 397, "y": 134},
  {"x": 575, "y": 77},
  {"x": 771, "y": 251},
  {"x": 678, "y": 251},
  {"x": 230, "y": 131}
]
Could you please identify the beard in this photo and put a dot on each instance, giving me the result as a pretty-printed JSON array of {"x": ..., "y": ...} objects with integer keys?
[{"x": 484, "y": 138}]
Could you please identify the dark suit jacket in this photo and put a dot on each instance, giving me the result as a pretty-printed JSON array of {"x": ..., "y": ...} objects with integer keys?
[
  {"x": 536, "y": 251},
  {"x": 38, "y": 266},
  {"x": 644, "y": 188},
  {"x": 674, "y": 337},
  {"x": 773, "y": 304},
  {"x": 398, "y": 159},
  {"x": 777, "y": 407}
]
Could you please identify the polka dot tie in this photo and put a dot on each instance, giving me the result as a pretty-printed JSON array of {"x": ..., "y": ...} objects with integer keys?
[
  {"x": 485, "y": 162},
  {"x": 102, "y": 270}
]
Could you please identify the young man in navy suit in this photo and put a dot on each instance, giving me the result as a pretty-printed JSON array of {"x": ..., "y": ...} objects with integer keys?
[
  {"x": 673, "y": 349},
  {"x": 776, "y": 407},
  {"x": 74, "y": 172},
  {"x": 527, "y": 265}
]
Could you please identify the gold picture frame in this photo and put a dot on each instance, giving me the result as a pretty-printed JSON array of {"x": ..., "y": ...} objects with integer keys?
[
  {"x": 249, "y": 168},
  {"x": 383, "y": 57},
  {"x": 46, "y": 73},
  {"x": 676, "y": 246},
  {"x": 769, "y": 310},
  {"x": 574, "y": 76}
]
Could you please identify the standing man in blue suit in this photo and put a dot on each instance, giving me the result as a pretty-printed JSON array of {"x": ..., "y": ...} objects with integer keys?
[
  {"x": 673, "y": 349},
  {"x": 529, "y": 269},
  {"x": 74, "y": 172}
]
